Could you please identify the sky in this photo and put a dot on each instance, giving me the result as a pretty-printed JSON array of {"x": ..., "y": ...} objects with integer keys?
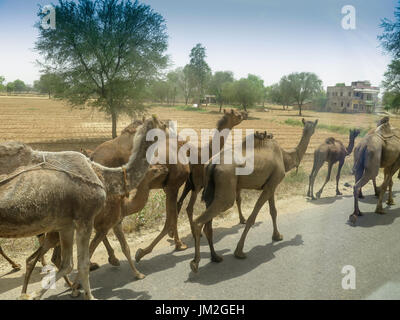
[{"x": 269, "y": 38}]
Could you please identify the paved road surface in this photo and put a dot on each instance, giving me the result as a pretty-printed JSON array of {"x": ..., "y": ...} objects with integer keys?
[{"x": 307, "y": 264}]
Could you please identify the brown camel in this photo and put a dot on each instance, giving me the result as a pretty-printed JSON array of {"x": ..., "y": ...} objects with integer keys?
[
  {"x": 74, "y": 193},
  {"x": 195, "y": 182},
  {"x": 378, "y": 150},
  {"x": 270, "y": 164},
  {"x": 331, "y": 151}
]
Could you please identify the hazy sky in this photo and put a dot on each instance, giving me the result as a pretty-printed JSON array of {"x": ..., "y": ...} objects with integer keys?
[{"x": 269, "y": 38}]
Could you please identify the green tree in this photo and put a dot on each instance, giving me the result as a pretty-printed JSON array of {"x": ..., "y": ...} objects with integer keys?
[
  {"x": 186, "y": 83},
  {"x": 217, "y": 83},
  {"x": 246, "y": 93},
  {"x": 2, "y": 86},
  {"x": 390, "y": 38},
  {"x": 49, "y": 83},
  {"x": 303, "y": 87},
  {"x": 106, "y": 52},
  {"x": 10, "y": 87},
  {"x": 200, "y": 72},
  {"x": 19, "y": 86},
  {"x": 391, "y": 101},
  {"x": 259, "y": 84}
]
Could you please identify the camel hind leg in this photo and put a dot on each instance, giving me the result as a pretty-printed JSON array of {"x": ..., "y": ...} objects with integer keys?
[
  {"x": 242, "y": 219},
  {"x": 318, "y": 163},
  {"x": 338, "y": 193},
  {"x": 14, "y": 265},
  {"x": 328, "y": 177}
]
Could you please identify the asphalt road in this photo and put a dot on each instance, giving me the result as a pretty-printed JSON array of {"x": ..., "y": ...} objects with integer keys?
[{"x": 307, "y": 264}]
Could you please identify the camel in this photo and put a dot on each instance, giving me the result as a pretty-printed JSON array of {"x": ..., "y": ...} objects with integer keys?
[
  {"x": 378, "y": 150},
  {"x": 270, "y": 164},
  {"x": 74, "y": 193},
  {"x": 195, "y": 182},
  {"x": 331, "y": 151}
]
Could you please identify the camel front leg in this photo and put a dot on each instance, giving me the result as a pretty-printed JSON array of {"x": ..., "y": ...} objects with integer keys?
[
  {"x": 14, "y": 265},
  {"x": 314, "y": 172},
  {"x": 126, "y": 250},
  {"x": 328, "y": 177},
  {"x": 112, "y": 259},
  {"x": 338, "y": 193},
  {"x": 190, "y": 207},
  {"x": 242, "y": 220},
  {"x": 390, "y": 200}
]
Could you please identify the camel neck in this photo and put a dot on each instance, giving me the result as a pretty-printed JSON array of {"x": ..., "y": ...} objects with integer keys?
[
  {"x": 350, "y": 147},
  {"x": 292, "y": 158}
]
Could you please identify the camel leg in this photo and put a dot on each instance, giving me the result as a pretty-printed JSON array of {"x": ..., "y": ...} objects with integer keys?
[
  {"x": 83, "y": 232},
  {"x": 328, "y": 177},
  {"x": 208, "y": 231},
  {"x": 239, "y": 205},
  {"x": 390, "y": 200},
  {"x": 66, "y": 265},
  {"x": 126, "y": 250},
  {"x": 112, "y": 259},
  {"x": 171, "y": 208},
  {"x": 41, "y": 238},
  {"x": 338, "y": 193},
  {"x": 14, "y": 265},
  {"x": 265, "y": 195},
  {"x": 183, "y": 196},
  {"x": 225, "y": 187},
  {"x": 377, "y": 190},
  {"x": 314, "y": 172},
  {"x": 276, "y": 236},
  {"x": 190, "y": 207},
  {"x": 99, "y": 237},
  {"x": 48, "y": 241},
  {"x": 140, "y": 253},
  {"x": 389, "y": 172},
  {"x": 361, "y": 181}
]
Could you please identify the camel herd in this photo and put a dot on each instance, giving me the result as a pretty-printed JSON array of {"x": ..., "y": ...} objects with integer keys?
[{"x": 54, "y": 195}]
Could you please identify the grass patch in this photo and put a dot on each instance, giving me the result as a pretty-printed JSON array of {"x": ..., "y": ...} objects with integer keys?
[{"x": 333, "y": 128}]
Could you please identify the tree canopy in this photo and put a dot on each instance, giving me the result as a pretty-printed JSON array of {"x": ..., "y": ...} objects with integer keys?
[
  {"x": 217, "y": 82},
  {"x": 105, "y": 52}
]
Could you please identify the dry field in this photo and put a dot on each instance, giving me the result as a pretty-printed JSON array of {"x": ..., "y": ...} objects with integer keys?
[{"x": 52, "y": 125}]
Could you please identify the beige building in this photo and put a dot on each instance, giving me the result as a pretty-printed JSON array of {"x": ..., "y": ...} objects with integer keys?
[{"x": 359, "y": 97}]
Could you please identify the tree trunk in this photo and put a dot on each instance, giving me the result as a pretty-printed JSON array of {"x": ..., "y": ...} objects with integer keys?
[
  {"x": 300, "y": 105},
  {"x": 220, "y": 107},
  {"x": 114, "y": 124}
]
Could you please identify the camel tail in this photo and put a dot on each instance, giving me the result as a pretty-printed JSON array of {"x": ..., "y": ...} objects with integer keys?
[
  {"x": 359, "y": 163},
  {"x": 209, "y": 189}
]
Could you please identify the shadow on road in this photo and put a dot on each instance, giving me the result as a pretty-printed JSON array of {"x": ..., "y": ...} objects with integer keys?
[
  {"x": 231, "y": 267},
  {"x": 326, "y": 200},
  {"x": 371, "y": 219}
]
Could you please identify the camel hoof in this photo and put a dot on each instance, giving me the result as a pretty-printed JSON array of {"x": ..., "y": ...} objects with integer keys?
[
  {"x": 338, "y": 193},
  {"x": 194, "y": 266},
  {"x": 94, "y": 266},
  {"x": 16, "y": 267},
  {"x": 353, "y": 218},
  {"x": 216, "y": 258},
  {"x": 277, "y": 237},
  {"x": 75, "y": 293},
  {"x": 313, "y": 198},
  {"x": 139, "y": 276},
  {"x": 240, "y": 254},
  {"x": 390, "y": 202},
  {"x": 318, "y": 195},
  {"x": 139, "y": 255},
  {"x": 181, "y": 247},
  {"x": 113, "y": 261},
  {"x": 379, "y": 211}
]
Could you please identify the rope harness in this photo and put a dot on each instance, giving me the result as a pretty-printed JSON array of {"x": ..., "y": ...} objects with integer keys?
[{"x": 53, "y": 167}]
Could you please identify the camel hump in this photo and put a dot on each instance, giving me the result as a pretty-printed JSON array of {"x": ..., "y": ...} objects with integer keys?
[
  {"x": 330, "y": 140},
  {"x": 13, "y": 155}
]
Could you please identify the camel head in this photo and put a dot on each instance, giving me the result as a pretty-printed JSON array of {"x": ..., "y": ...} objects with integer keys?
[
  {"x": 131, "y": 129},
  {"x": 87, "y": 152},
  {"x": 232, "y": 118},
  {"x": 309, "y": 127},
  {"x": 354, "y": 133},
  {"x": 382, "y": 121}
]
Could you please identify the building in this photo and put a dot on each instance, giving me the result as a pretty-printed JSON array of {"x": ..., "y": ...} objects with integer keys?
[{"x": 359, "y": 97}]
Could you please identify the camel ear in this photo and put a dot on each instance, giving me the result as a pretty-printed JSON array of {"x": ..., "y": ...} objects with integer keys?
[
  {"x": 304, "y": 121},
  {"x": 316, "y": 122},
  {"x": 232, "y": 111},
  {"x": 143, "y": 119},
  {"x": 225, "y": 111}
]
